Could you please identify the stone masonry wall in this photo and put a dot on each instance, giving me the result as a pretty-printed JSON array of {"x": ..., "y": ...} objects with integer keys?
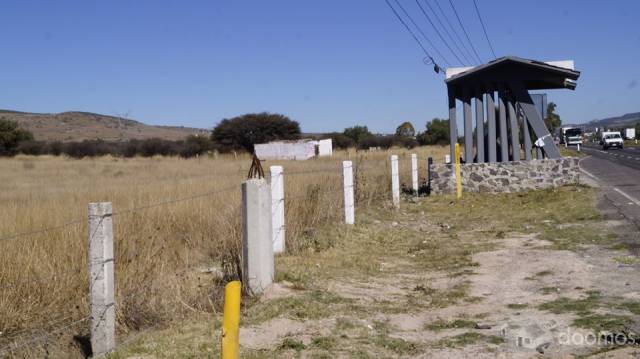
[{"x": 506, "y": 176}]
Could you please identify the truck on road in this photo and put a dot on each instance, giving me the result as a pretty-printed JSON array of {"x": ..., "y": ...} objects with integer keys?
[
  {"x": 611, "y": 139},
  {"x": 571, "y": 136}
]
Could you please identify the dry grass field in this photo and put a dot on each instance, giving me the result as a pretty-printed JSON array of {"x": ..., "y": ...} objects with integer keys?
[{"x": 176, "y": 227}]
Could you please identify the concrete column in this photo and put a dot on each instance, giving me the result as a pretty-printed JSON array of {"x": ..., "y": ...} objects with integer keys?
[
  {"x": 453, "y": 126},
  {"x": 101, "y": 279},
  {"x": 277, "y": 209},
  {"x": 480, "y": 126},
  {"x": 414, "y": 173},
  {"x": 491, "y": 127},
  {"x": 504, "y": 140},
  {"x": 515, "y": 133},
  {"x": 468, "y": 130},
  {"x": 395, "y": 181},
  {"x": 527, "y": 140},
  {"x": 349, "y": 203},
  {"x": 257, "y": 249}
]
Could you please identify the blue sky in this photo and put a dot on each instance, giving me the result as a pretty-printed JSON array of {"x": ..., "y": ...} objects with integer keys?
[{"x": 327, "y": 64}]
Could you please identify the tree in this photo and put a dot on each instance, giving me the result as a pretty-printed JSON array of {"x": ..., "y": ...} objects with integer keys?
[
  {"x": 357, "y": 133},
  {"x": 552, "y": 121},
  {"x": 242, "y": 132},
  {"x": 11, "y": 135},
  {"x": 437, "y": 133},
  {"x": 405, "y": 130}
]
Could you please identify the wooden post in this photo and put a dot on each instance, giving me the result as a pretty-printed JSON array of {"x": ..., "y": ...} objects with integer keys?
[
  {"x": 395, "y": 181},
  {"x": 414, "y": 173},
  {"x": 277, "y": 209},
  {"x": 101, "y": 279},
  {"x": 257, "y": 248},
  {"x": 349, "y": 205}
]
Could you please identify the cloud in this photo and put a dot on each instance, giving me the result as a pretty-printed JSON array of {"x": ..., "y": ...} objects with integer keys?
[{"x": 632, "y": 84}]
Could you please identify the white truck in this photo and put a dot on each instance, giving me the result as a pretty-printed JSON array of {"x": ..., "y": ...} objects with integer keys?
[
  {"x": 611, "y": 139},
  {"x": 572, "y": 136}
]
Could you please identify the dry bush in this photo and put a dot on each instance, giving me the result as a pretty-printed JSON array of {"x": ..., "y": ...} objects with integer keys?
[{"x": 166, "y": 255}]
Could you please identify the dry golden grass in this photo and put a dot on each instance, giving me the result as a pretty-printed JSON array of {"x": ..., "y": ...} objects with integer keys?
[{"x": 162, "y": 252}]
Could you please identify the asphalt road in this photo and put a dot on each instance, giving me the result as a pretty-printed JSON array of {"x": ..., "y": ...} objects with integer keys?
[{"x": 618, "y": 173}]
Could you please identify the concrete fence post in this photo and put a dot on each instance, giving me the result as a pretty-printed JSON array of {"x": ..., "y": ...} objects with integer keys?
[
  {"x": 349, "y": 205},
  {"x": 101, "y": 279},
  {"x": 257, "y": 248},
  {"x": 414, "y": 173},
  {"x": 395, "y": 181},
  {"x": 277, "y": 209},
  {"x": 447, "y": 159}
]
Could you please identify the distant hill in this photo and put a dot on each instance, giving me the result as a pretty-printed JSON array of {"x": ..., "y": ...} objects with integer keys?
[
  {"x": 628, "y": 120},
  {"x": 78, "y": 126}
]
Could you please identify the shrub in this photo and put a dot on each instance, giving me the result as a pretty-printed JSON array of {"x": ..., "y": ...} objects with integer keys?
[{"x": 242, "y": 132}]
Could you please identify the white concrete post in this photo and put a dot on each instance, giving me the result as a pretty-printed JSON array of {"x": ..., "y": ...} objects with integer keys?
[
  {"x": 414, "y": 173},
  {"x": 395, "y": 181},
  {"x": 349, "y": 205},
  {"x": 101, "y": 279},
  {"x": 277, "y": 209},
  {"x": 257, "y": 249},
  {"x": 447, "y": 159},
  {"x": 578, "y": 147}
]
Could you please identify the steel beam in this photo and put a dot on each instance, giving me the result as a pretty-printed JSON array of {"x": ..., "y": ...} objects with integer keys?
[
  {"x": 504, "y": 141},
  {"x": 468, "y": 130},
  {"x": 480, "y": 126},
  {"x": 515, "y": 136},
  {"x": 527, "y": 139},
  {"x": 453, "y": 127},
  {"x": 534, "y": 118},
  {"x": 491, "y": 127}
]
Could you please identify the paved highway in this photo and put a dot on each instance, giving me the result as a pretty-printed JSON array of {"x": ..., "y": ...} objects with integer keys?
[{"x": 618, "y": 172}]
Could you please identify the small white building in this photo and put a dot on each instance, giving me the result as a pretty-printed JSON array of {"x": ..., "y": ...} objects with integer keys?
[{"x": 294, "y": 150}]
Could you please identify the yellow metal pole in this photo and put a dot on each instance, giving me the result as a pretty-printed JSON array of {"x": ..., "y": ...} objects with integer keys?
[
  {"x": 231, "y": 321},
  {"x": 458, "y": 178}
]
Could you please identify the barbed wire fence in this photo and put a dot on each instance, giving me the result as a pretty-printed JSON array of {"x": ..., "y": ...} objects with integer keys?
[{"x": 12, "y": 343}]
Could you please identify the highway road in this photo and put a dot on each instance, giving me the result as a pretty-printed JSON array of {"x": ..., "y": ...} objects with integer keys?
[{"x": 618, "y": 173}]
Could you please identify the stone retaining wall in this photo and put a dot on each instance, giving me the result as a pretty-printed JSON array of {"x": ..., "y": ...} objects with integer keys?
[{"x": 506, "y": 176}]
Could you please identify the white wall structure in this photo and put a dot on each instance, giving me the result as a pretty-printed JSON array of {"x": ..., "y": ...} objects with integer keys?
[
  {"x": 325, "y": 147},
  {"x": 277, "y": 209},
  {"x": 286, "y": 150}
]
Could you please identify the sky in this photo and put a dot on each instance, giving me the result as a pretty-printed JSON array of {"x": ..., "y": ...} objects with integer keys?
[{"x": 327, "y": 64}]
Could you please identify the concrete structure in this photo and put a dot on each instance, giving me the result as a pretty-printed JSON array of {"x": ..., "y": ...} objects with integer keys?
[
  {"x": 101, "y": 279},
  {"x": 294, "y": 150},
  {"x": 286, "y": 150},
  {"x": 325, "y": 147},
  {"x": 349, "y": 203},
  {"x": 395, "y": 181},
  {"x": 414, "y": 173},
  {"x": 257, "y": 246},
  {"x": 277, "y": 209},
  {"x": 511, "y": 78},
  {"x": 506, "y": 177}
]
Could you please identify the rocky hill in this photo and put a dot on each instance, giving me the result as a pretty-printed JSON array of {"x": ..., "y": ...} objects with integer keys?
[{"x": 78, "y": 126}]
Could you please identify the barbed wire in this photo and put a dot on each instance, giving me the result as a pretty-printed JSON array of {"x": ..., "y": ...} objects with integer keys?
[
  {"x": 43, "y": 230},
  {"x": 175, "y": 200}
]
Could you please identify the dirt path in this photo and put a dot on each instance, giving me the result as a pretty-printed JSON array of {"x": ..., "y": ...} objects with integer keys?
[{"x": 507, "y": 276}]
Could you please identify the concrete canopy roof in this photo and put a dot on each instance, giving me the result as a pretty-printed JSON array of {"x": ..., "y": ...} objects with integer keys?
[{"x": 535, "y": 75}]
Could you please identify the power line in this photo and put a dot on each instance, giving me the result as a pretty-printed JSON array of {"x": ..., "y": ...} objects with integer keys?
[
  {"x": 410, "y": 32},
  {"x": 475, "y": 3},
  {"x": 438, "y": 32},
  {"x": 422, "y": 32},
  {"x": 455, "y": 43},
  {"x": 465, "y": 31},
  {"x": 446, "y": 18}
]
